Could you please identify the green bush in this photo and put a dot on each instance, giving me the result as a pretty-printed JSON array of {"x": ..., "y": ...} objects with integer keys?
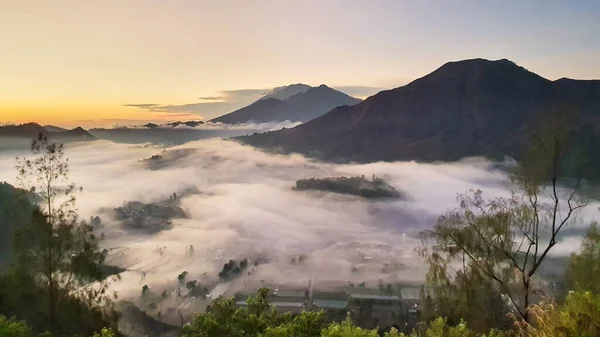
[{"x": 13, "y": 328}]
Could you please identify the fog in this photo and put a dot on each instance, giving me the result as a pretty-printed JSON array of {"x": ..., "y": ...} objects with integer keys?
[
  {"x": 242, "y": 205},
  {"x": 169, "y": 135}
]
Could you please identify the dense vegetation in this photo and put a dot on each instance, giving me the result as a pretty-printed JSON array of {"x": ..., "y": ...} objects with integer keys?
[
  {"x": 370, "y": 189},
  {"x": 578, "y": 316},
  {"x": 54, "y": 255}
]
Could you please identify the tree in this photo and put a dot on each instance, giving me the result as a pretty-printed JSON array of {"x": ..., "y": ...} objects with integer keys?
[
  {"x": 306, "y": 324},
  {"x": 57, "y": 258},
  {"x": 347, "y": 329},
  {"x": 583, "y": 270},
  {"x": 508, "y": 239},
  {"x": 104, "y": 333},
  {"x": 13, "y": 328},
  {"x": 257, "y": 318},
  {"x": 466, "y": 294},
  {"x": 578, "y": 316}
]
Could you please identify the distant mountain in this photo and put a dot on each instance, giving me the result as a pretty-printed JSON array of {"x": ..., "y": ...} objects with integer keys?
[
  {"x": 190, "y": 124},
  {"x": 77, "y": 134},
  {"x": 165, "y": 134},
  {"x": 29, "y": 130},
  {"x": 296, "y": 103},
  {"x": 52, "y": 128},
  {"x": 173, "y": 124},
  {"x": 466, "y": 108},
  {"x": 17, "y": 135}
]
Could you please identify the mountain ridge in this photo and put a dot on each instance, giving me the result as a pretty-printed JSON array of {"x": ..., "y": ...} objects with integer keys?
[
  {"x": 299, "y": 107},
  {"x": 463, "y": 108},
  {"x": 32, "y": 129}
]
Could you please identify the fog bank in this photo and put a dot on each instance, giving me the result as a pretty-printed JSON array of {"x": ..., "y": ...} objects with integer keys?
[{"x": 241, "y": 205}]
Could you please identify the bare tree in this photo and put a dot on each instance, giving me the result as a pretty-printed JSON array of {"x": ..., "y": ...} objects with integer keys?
[{"x": 508, "y": 239}]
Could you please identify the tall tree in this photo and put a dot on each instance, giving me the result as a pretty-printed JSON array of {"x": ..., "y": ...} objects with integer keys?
[
  {"x": 508, "y": 239},
  {"x": 583, "y": 270},
  {"x": 58, "y": 261},
  {"x": 463, "y": 294}
]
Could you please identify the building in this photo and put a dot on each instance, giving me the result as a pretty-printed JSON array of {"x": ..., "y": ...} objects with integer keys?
[
  {"x": 376, "y": 309},
  {"x": 411, "y": 305}
]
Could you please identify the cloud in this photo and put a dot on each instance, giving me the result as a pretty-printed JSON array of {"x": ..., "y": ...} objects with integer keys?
[
  {"x": 211, "y": 106},
  {"x": 205, "y": 110},
  {"x": 245, "y": 206},
  {"x": 143, "y": 105},
  {"x": 210, "y": 98},
  {"x": 240, "y": 93},
  {"x": 230, "y": 100}
]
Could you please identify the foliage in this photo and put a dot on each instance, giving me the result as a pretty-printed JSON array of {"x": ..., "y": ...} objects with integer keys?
[
  {"x": 583, "y": 271},
  {"x": 57, "y": 261},
  {"x": 104, "y": 333},
  {"x": 13, "y": 328},
  {"x": 507, "y": 239},
  {"x": 225, "y": 319},
  {"x": 470, "y": 296},
  {"x": 579, "y": 316},
  {"x": 231, "y": 269},
  {"x": 376, "y": 188},
  {"x": 347, "y": 329},
  {"x": 15, "y": 212},
  {"x": 305, "y": 324}
]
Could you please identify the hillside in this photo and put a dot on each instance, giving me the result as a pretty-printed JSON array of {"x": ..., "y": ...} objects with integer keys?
[
  {"x": 13, "y": 212},
  {"x": 20, "y": 136},
  {"x": 465, "y": 108},
  {"x": 52, "y": 128},
  {"x": 303, "y": 105}
]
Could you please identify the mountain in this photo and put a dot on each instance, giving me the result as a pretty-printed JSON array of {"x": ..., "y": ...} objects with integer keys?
[
  {"x": 77, "y": 134},
  {"x": 52, "y": 128},
  {"x": 19, "y": 136},
  {"x": 29, "y": 130},
  {"x": 297, "y": 105},
  {"x": 165, "y": 134},
  {"x": 465, "y": 108},
  {"x": 190, "y": 124}
]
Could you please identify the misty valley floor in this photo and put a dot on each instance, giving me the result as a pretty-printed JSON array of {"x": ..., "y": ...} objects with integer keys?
[{"x": 239, "y": 203}]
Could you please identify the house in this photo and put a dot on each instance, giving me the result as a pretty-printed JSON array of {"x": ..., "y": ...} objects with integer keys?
[{"x": 376, "y": 309}]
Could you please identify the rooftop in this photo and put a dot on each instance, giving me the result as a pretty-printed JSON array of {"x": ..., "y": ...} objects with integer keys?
[
  {"x": 332, "y": 304},
  {"x": 277, "y": 304},
  {"x": 289, "y": 293},
  {"x": 410, "y": 293},
  {"x": 375, "y": 297}
]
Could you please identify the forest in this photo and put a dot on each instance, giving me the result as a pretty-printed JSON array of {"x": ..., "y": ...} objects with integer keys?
[{"x": 359, "y": 186}]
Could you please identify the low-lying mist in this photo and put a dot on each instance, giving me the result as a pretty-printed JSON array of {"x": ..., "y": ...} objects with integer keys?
[{"x": 240, "y": 203}]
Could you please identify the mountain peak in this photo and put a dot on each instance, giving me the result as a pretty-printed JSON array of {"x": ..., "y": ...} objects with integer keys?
[
  {"x": 464, "y": 108},
  {"x": 285, "y": 92},
  {"x": 477, "y": 66},
  {"x": 296, "y": 102}
]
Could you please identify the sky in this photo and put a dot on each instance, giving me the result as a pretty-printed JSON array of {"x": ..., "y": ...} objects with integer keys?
[{"x": 90, "y": 63}]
